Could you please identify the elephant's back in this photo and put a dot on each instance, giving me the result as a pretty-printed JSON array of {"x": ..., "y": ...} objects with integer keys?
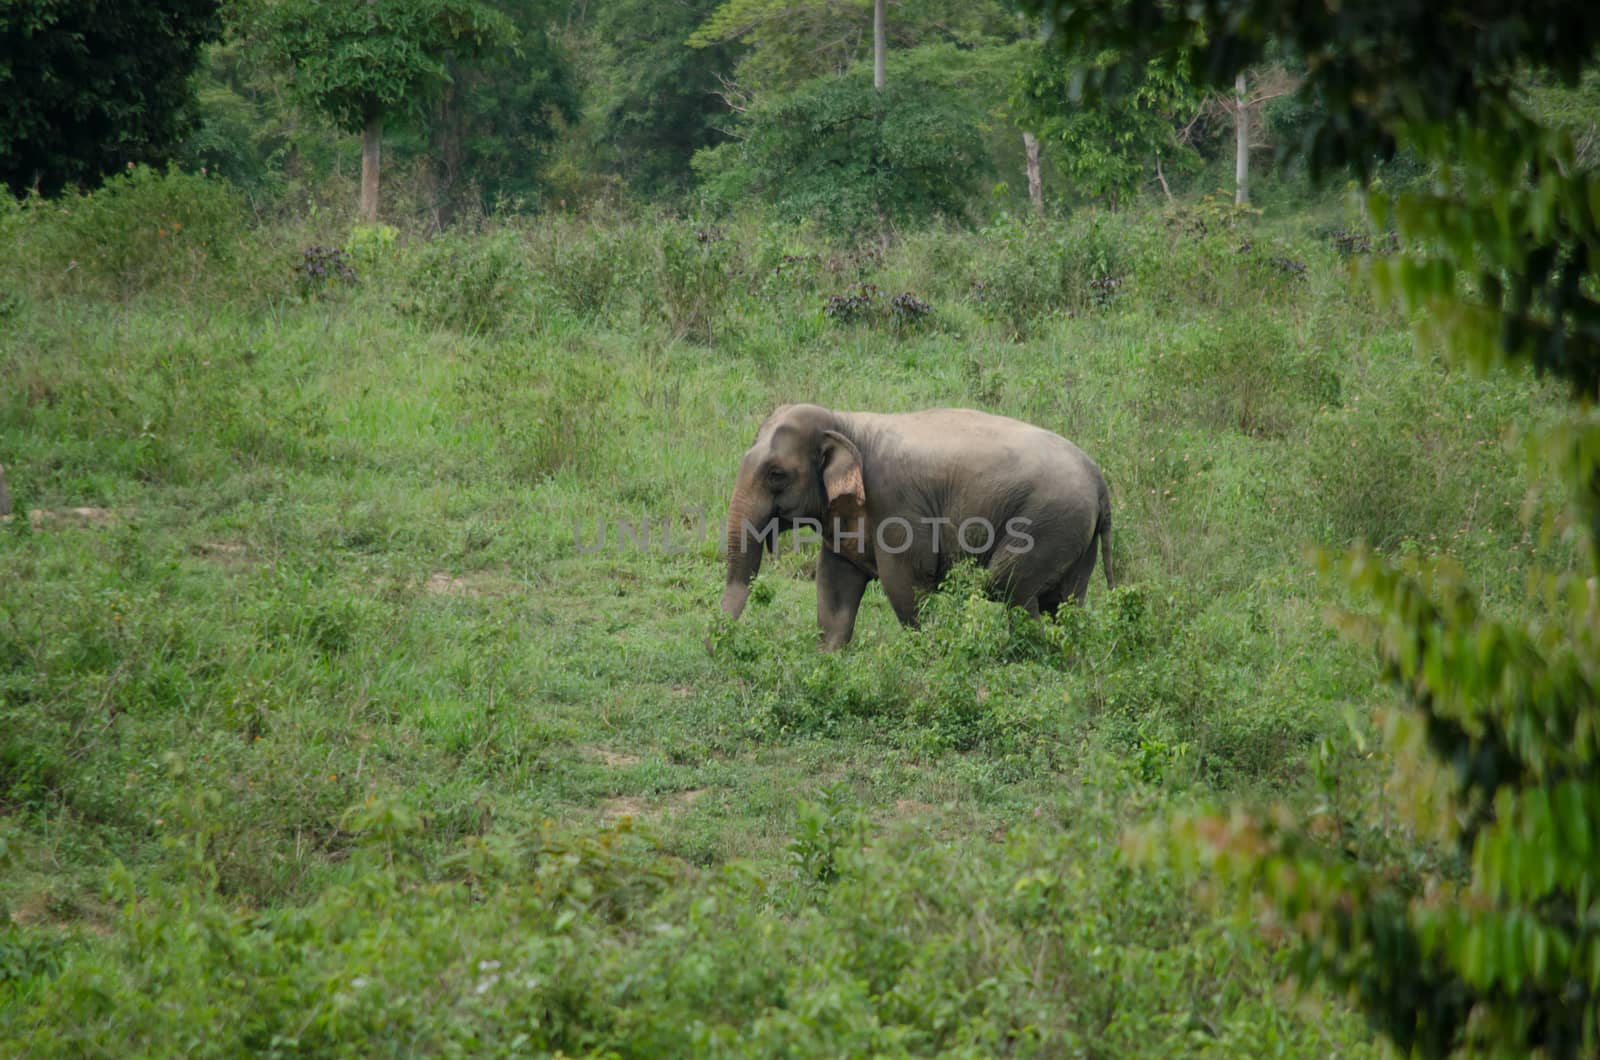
[{"x": 971, "y": 436}]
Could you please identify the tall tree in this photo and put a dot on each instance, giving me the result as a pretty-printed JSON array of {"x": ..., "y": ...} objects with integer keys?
[
  {"x": 879, "y": 44},
  {"x": 1503, "y": 956},
  {"x": 787, "y": 42},
  {"x": 1105, "y": 146},
  {"x": 852, "y": 157},
  {"x": 88, "y": 86},
  {"x": 359, "y": 63},
  {"x": 659, "y": 101},
  {"x": 1241, "y": 142},
  {"x": 489, "y": 132}
]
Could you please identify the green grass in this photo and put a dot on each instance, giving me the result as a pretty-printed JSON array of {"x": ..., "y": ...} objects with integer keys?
[{"x": 330, "y": 695}]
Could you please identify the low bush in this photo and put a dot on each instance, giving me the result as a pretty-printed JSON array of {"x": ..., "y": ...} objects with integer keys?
[
  {"x": 1242, "y": 371},
  {"x": 564, "y": 942},
  {"x": 473, "y": 285},
  {"x": 689, "y": 277},
  {"x": 1030, "y": 269},
  {"x": 588, "y": 267},
  {"x": 142, "y": 229}
]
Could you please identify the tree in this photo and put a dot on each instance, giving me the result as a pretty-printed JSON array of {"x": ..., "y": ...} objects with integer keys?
[
  {"x": 1503, "y": 955},
  {"x": 1105, "y": 145},
  {"x": 357, "y": 63},
  {"x": 89, "y": 86},
  {"x": 1241, "y": 142},
  {"x": 1243, "y": 108},
  {"x": 850, "y": 156},
  {"x": 879, "y": 47},
  {"x": 658, "y": 101},
  {"x": 787, "y": 42},
  {"x": 493, "y": 121}
]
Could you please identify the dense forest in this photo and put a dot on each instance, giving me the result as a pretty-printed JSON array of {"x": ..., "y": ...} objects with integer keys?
[
  {"x": 478, "y": 109},
  {"x": 373, "y": 379}
]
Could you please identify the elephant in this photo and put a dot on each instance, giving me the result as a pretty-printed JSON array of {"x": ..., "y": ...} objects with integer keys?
[{"x": 903, "y": 497}]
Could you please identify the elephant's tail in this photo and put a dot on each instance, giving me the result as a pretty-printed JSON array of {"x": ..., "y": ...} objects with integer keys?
[{"x": 1102, "y": 529}]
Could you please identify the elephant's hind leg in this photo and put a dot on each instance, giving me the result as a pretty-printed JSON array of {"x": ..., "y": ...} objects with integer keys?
[
  {"x": 1013, "y": 579},
  {"x": 1075, "y": 583}
]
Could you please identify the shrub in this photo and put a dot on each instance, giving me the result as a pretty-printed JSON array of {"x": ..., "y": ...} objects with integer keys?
[
  {"x": 849, "y": 157},
  {"x": 1032, "y": 269},
  {"x": 854, "y": 305},
  {"x": 321, "y": 269},
  {"x": 474, "y": 285},
  {"x": 143, "y": 229},
  {"x": 1243, "y": 373},
  {"x": 860, "y": 304},
  {"x": 690, "y": 276},
  {"x": 586, "y": 266}
]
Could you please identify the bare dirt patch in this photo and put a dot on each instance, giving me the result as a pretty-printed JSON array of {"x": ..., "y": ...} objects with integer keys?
[
  {"x": 626, "y": 806},
  {"x": 613, "y": 759},
  {"x": 60, "y": 518},
  {"x": 443, "y": 583},
  {"x": 227, "y": 553},
  {"x": 35, "y": 910},
  {"x": 644, "y": 809}
]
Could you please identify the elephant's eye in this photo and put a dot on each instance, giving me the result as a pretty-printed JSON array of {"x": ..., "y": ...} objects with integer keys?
[{"x": 776, "y": 476}]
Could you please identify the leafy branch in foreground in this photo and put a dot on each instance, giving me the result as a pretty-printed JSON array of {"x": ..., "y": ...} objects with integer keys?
[{"x": 1502, "y": 957}]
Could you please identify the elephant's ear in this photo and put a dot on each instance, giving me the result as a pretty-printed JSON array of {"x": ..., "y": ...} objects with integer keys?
[{"x": 841, "y": 471}]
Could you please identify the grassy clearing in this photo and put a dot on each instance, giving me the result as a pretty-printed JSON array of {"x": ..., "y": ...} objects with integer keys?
[{"x": 328, "y": 738}]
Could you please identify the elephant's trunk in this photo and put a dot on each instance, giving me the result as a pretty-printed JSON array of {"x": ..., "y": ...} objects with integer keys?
[{"x": 745, "y": 514}]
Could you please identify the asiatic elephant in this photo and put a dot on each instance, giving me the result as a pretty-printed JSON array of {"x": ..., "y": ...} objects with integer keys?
[{"x": 904, "y": 497}]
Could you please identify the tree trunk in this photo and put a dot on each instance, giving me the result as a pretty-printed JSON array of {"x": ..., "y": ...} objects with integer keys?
[
  {"x": 1241, "y": 132},
  {"x": 877, "y": 44},
  {"x": 371, "y": 138},
  {"x": 1030, "y": 143}
]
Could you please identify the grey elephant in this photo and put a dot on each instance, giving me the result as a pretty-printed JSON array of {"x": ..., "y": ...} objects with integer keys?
[{"x": 904, "y": 497}]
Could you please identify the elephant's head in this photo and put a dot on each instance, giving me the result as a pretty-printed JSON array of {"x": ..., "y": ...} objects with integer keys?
[{"x": 801, "y": 467}]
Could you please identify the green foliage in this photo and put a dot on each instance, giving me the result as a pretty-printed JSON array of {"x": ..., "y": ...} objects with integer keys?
[
  {"x": 829, "y": 836},
  {"x": 1032, "y": 269},
  {"x": 788, "y": 42},
  {"x": 542, "y": 418},
  {"x": 471, "y": 285},
  {"x": 1244, "y": 373},
  {"x": 88, "y": 89},
  {"x": 1107, "y": 146},
  {"x": 691, "y": 273},
  {"x": 142, "y": 229},
  {"x": 1498, "y": 956},
  {"x": 850, "y": 158},
  {"x": 354, "y": 62},
  {"x": 659, "y": 98},
  {"x": 588, "y": 266},
  {"x": 245, "y": 128},
  {"x": 490, "y": 132}
]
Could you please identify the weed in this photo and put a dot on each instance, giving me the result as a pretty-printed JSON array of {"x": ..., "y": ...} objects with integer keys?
[{"x": 321, "y": 269}]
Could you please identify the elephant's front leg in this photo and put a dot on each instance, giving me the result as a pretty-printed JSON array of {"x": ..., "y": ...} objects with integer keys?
[{"x": 840, "y": 584}]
